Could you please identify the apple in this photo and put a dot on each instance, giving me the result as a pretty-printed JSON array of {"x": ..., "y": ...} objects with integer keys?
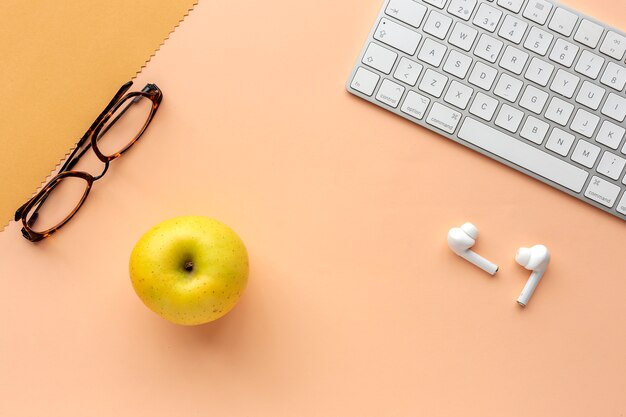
[{"x": 189, "y": 270}]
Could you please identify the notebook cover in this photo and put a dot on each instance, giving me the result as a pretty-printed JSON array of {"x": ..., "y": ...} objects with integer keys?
[{"x": 60, "y": 63}]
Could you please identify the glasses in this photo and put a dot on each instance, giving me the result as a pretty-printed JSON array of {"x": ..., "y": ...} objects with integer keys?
[{"x": 115, "y": 130}]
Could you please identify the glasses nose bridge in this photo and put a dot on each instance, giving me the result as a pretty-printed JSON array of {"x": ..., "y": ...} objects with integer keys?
[
  {"x": 104, "y": 171},
  {"x": 88, "y": 161}
]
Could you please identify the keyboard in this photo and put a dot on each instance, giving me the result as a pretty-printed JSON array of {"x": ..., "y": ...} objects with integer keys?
[{"x": 532, "y": 84}]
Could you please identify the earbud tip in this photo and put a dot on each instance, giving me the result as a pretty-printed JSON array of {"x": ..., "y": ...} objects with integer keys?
[
  {"x": 470, "y": 229},
  {"x": 522, "y": 256}
]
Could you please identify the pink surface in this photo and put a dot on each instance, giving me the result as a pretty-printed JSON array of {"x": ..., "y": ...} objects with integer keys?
[{"x": 355, "y": 305}]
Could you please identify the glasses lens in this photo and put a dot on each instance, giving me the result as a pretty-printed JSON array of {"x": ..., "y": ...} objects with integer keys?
[
  {"x": 126, "y": 123},
  {"x": 57, "y": 205}
]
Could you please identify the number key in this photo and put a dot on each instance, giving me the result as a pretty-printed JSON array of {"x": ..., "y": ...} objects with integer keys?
[
  {"x": 614, "y": 76},
  {"x": 589, "y": 64},
  {"x": 462, "y": 8},
  {"x": 487, "y": 17},
  {"x": 512, "y": 29},
  {"x": 563, "y": 52},
  {"x": 538, "y": 41}
]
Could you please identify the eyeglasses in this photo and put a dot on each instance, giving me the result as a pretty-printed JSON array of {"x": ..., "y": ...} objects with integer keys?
[{"x": 109, "y": 136}]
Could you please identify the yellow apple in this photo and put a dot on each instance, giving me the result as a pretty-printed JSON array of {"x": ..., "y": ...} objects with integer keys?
[{"x": 189, "y": 270}]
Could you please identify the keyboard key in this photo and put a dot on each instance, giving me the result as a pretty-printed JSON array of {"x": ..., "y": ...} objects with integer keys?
[
  {"x": 588, "y": 33},
  {"x": 589, "y": 64},
  {"x": 610, "y": 135},
  {"x": 513, "y": 5},
  {"x": 560, "y": 141},
  {"x": 584, "y": 123},
  {"x": 488, "y": 48},
  {"x": 559, "y": 111},
  {"x": 463, "y": 36},
  {"x": 415, "y": 104},
  {"x": 487, "y": 17},
  {"x": 564, "y": 83},
  {"x": 458, "y": 94},
  {"x": 512, "y": 29},
  {"x": 390, "y": 93},
  {"x": 443, "y": 117},
  {"x": 436, "y": 3},
  {"x": 564, "y": 53},
  {"x": 585, "y": 153},
  {"x": 462, "y": 8},
  {"x": 533, "y": 99},
  {"x": 602, "y": 191},
  {"x": 407, "y": 71},
  {"x": 615, "y": 107},
  {"x": 437, "y": 24},
  {"x": 432, "y": 52},
  {"x": 483, "y": 76},
  {"x": 407, "y": 11},
  {"x": 509, "y": 118},
  {"x": 539, "y": 71},
  {"x": 534, "y": 130},
  {"x": 433, "y": 83},
  {"x": 537, "y": 11},
  {"x": 590, "y": 95},
  {"x": 563, "y": 21},
  {"x": 514, "y": 60},
  {"x": 484, "y": 106},
  {"x": 621, "y": 206},
  {"x": 614, "y": 45},
  {"x": 538, "y": 41},
  {"x": 379, "y": 58},
  {"x": 523, "y": 155},
  {"x": 508, "y": 88},
  {"x": 611, "y": 165},
  {"x": 457, "y": 64},
  {"x": 397, "y": 36},
  {"x": 614, "y": 76},
  {"x": 364, "y": 81}
]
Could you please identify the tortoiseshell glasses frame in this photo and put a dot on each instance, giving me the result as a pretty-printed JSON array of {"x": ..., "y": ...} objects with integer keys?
[{"x": 28, "y": 212}]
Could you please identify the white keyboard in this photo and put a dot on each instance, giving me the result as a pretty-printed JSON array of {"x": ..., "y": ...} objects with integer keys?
[{"x": 530, "y": 83}]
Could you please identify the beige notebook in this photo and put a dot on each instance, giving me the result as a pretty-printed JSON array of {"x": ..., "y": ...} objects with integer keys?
[{"x": 60, "y": 64}]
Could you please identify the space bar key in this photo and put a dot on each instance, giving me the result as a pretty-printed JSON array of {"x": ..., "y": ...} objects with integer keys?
[{"x": 523, "y": 155}]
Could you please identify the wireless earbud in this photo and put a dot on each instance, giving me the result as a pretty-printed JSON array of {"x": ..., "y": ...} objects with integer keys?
[
  {"x": 535, "y": 259},
  {"x": 461, "y": 239}
]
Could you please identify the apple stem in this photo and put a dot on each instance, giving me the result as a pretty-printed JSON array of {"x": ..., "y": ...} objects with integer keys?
[{"x": 188, "y": 266}]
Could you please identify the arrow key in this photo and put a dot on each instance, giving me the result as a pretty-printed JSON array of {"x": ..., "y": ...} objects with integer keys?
[{"x": 408, "y": 71}]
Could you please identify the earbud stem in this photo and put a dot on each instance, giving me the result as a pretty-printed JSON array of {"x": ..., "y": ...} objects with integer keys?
[
  {"x": 480, "y": 262},
  {"x": 529, "y": 288}
]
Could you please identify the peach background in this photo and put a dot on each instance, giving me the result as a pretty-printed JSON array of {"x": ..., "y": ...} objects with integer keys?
[{"x": 355, "y": 305}]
